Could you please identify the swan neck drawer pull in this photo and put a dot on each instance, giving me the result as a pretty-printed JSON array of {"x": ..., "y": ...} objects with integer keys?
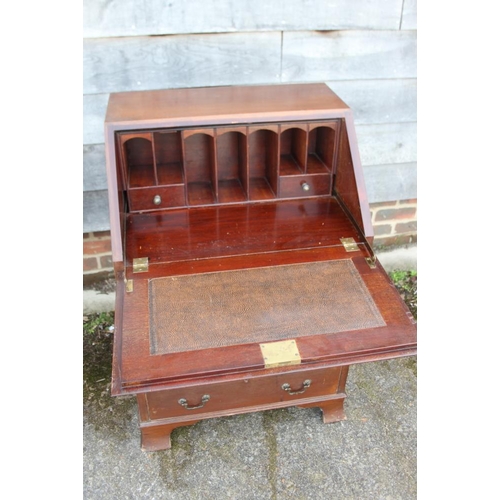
[
  {"x": 305, "y": 386},
  {"x": 204, "y": 399}
]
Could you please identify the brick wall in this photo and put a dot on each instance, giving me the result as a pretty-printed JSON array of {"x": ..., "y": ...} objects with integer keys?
[
  {"x": 394, "y": 223},
  {"x": 97, "y": 254}
]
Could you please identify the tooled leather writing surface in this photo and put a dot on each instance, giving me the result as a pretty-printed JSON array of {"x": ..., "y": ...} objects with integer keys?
[{"x": 201, "y": 311}]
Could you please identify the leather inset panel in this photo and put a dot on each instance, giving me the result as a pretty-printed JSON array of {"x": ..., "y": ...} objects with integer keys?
[{"x": 219, "y": 309}]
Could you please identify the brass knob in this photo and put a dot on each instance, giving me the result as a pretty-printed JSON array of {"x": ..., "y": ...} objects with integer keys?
[
  {"x": 305, "y": 186},
  {"x": 157, "y": 199}
]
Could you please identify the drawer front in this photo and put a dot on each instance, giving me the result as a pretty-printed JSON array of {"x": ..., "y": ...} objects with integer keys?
[
  {"x": 247, "y": 392},
  {"x": 144, "y": 199},
  {"x": 295, "y": 186}
]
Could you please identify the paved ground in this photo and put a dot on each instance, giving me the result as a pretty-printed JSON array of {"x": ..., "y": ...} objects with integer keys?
[{"x": 280, "y": 454}]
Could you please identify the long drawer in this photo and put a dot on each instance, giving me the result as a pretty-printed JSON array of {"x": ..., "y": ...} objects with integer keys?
[{"x": 246, "y": 392}]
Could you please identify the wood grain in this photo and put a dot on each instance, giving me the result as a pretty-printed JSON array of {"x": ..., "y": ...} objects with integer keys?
[
  {"x": 139, "y": 367},
  {"x": 379, "y": 101},
  {"x": 95, "y": 211},
  {"x": 388, "y": 143},
  {"x": 372, "y": 102},
  {"x": 409, "y": 15},
  {"x": 143, "y": 63},
  {"x": 391, "y": 182},
  {"x": 348, "y": 55},
  {"x": 102, "y": 18},
  {"x": 222, "y": 231},
  {"x": 223, "y": 106}
]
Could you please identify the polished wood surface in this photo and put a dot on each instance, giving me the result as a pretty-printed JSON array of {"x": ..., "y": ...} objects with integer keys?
[
  {"x": 250, "y": 391},
  {"x": 208, "y": 104},
  {"x": 161, "y": 412},
  {"x": 226, "y": 165},
  {"x": 231, "y": 178},
  {"x": 274, "y": 132},
  {"x": 222, "y": 231},
  {"x": 140, "y": 368}
]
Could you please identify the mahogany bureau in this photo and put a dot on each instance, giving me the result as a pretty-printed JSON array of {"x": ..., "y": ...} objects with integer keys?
[{"x": 241, "y": 242}]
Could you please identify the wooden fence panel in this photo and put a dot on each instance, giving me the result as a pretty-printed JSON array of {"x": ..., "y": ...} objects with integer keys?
[
  {"x": 144, "y": 63},
  {"x": 102, "y": 18},
  {"x": 348, "y": 55},
  {"x": 409, "y": 18},
  {"x": 94, "y": 112},
  {"x": 391, "y": 182},
  {"x": 95, "y": 211},
  {"x": 387, "y": 143},
  {"x": 94, "y": 167},
  {"x": 369, "y": 61},
  {"x": 379, "y": 101}
]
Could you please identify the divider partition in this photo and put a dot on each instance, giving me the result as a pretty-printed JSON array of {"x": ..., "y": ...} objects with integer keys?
[
  {"x": 224, "y": 165},
  {"x": 232, "y": 165},
  {"x": 200, "y": 166},
  {"x": 263, "y": 162}
]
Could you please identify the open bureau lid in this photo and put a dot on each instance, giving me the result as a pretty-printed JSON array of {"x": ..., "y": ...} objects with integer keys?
[{"x": 241, "y": 236}]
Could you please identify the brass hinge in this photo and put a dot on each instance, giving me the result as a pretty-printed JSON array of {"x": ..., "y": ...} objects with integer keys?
[
  {"x": 282, "y": 353},
  {"x": 372, "y": 260},
  {"x": 350, "y": 244},
  {"x": 140, "y": 265}
]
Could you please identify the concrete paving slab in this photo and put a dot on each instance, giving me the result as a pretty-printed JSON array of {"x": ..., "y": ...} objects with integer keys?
[
  {"x": 278, "y": 454},
  {"x": 400, "y": 258},
  {"x": 95, "y": 301}
]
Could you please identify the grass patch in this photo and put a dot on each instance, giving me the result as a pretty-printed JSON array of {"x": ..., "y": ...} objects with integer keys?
[
  {"x": 97, "y": 347},
  {"x": 406, "y": 283}
]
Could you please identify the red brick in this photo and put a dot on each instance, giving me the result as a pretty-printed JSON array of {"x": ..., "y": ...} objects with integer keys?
[
  {"x": 86, "y": 235},
  {"x": 89, "y": 264},
  {"x": 106, "y": 261},
  {"x": 398, "y": 213},
  {"x": 102, "y": 234},
  {"x": 382, "y": 229},
  {"x": 406, "y": 227},
  {"x": 381, "y": 204},
  {"x": 96, "y": 246}
]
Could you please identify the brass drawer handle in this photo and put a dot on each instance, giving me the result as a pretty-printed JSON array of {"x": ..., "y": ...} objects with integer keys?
[
  {"x": 305, "y": 386},
  {"x": 204, "y": 399}
]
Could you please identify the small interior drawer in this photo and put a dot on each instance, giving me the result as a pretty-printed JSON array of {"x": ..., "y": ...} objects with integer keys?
[
  {"x": 155, "y": 198},
  {"x": 246, "y": 392},
  {"x": 294, "y": 186}
]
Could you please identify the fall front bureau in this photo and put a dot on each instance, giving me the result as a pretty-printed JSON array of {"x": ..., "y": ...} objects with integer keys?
[{"x": 241, "y": 241}]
